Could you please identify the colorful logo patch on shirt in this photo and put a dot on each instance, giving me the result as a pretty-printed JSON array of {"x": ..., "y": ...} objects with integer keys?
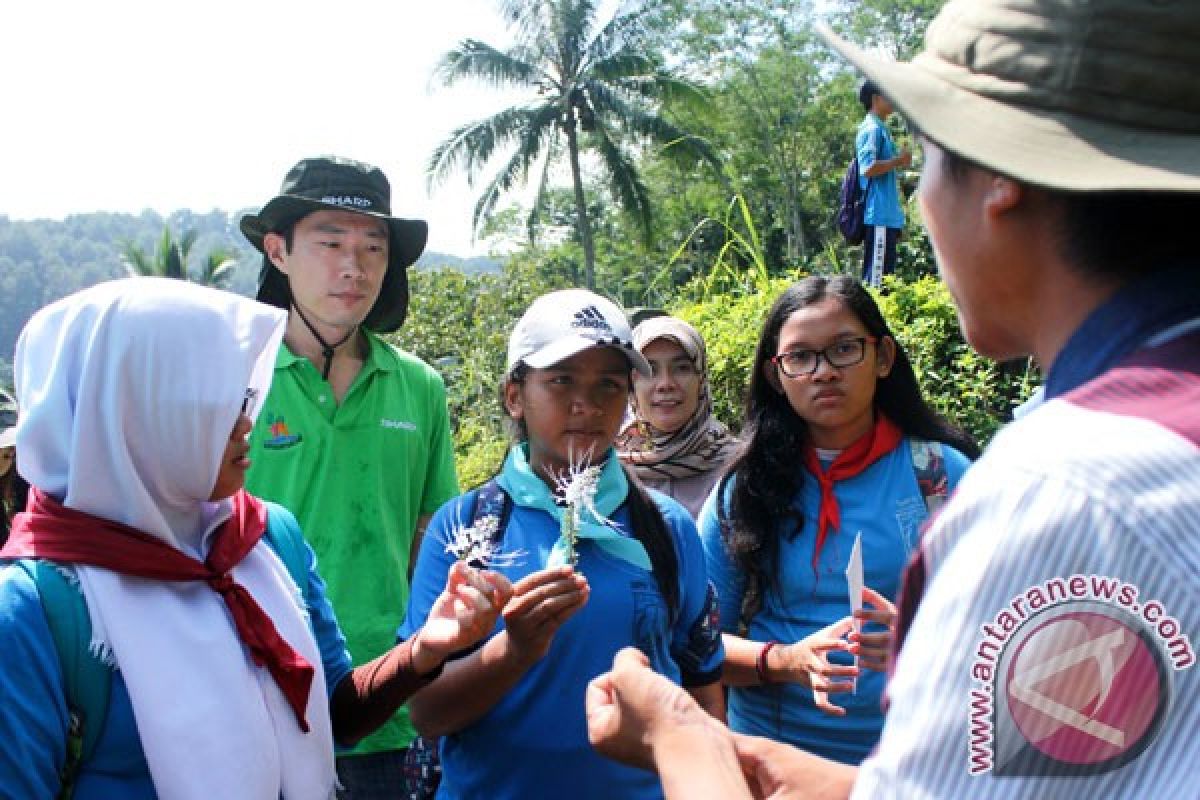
[
  {"x": 281, "y": 438},
  {"x": 1073, "y": 677}
]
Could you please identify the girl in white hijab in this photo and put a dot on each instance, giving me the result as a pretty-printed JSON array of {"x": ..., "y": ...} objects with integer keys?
[{"x": 229, "y": 680}]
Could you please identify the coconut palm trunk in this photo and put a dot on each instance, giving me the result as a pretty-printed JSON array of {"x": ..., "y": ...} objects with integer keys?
[{"x": 583, "y": 223}]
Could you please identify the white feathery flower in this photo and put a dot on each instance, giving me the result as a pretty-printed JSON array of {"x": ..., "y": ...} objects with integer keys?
[
  {"x": 479, "y": 544},
  {"x": 577, "y": 490}
]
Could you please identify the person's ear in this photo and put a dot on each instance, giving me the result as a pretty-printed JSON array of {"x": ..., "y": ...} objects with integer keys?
[
  {"x": 275, "y": 248},
  {"x": 1002, "y": 195},
  {"x": 885, "y": 356},
  {"x": 514, "y": 401}
]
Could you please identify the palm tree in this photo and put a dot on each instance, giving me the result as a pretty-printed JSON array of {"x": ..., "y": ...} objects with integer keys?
[
  {"x": 170, "y": 260},
  {"x": 597, "y": 88}
]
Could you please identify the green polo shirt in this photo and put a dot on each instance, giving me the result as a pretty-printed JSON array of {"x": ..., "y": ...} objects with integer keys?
[{"x": 357, "y": 476}]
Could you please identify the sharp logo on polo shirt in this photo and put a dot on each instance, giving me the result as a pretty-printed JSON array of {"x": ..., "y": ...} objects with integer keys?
[
  {"x": 591, "y": 317},
  {"x": 397, "y": 424},
  {"x": 281, "y": 438}
]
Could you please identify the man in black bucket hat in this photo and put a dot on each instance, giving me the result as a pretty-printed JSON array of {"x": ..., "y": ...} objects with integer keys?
[
  {"x": 354, "y": 437},
  {"x": 1048, "y": 619}
]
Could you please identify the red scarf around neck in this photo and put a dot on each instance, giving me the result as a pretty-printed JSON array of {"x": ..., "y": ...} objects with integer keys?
[
  {"x": 882, "y": 439},
  {"x": 47, "y": 529}
]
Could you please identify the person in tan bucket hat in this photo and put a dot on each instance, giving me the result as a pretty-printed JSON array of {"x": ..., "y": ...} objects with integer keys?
[{"x": 1047, "y": 619}]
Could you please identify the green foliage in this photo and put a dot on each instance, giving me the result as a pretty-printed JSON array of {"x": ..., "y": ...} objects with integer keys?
[
  {"x": 459, "y": 323},
  {"x": 172, "y": 259},
  {"x": 593, "y": 88},
  {"x": 968, "y": 389},
  {"x": 730, "y": 325}
]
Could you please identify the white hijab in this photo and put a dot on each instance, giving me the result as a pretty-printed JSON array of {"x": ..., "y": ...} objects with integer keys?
[{"x": 129, "y": 391}]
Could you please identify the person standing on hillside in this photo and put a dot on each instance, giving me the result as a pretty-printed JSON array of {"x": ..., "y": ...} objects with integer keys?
[
  {"x": 878, "y": 160},
  {"x": 354, "y": 437}
]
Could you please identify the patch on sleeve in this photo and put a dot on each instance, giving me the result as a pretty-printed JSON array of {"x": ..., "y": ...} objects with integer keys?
[{"x": 704, "y": 635}]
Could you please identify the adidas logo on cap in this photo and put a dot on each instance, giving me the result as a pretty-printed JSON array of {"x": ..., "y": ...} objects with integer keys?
[{"x": 590, "y": 317}]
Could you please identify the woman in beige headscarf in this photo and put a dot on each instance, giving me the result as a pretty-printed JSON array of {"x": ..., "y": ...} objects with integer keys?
[{"x": 675, "y": 444}]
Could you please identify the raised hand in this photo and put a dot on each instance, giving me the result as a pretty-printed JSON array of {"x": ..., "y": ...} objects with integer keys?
[
  {"x": 874, "y": 649},
  {"x": 465, "y": 612},
  {"x": 640, "y": 718},
  {"x": 807, "y": 662},
  {"x": 541, "y": 602}
]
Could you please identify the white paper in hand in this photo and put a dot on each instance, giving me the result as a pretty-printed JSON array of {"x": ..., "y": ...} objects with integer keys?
[{"x": 854, "y": 585}]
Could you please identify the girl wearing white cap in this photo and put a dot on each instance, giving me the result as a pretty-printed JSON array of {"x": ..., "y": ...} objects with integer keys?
[
  {"x": 190, "y": 651},
  {"x": 598, "y": 563}
]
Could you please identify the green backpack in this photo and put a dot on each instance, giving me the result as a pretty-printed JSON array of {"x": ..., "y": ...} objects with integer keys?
[{"x": 86, "y": 679}]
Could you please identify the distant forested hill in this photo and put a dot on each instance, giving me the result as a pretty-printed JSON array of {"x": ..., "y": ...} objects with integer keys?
[{"x": 43, "y": 260}]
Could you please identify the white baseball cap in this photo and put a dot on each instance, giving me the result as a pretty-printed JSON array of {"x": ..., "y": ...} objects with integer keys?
[{"x": 560, "y": 324}]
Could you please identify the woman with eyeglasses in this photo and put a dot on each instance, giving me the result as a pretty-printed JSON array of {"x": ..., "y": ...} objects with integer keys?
[{"x": 838, "y": 446}]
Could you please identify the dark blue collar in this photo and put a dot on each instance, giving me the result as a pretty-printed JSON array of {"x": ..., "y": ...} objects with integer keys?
[{"x": 1139, "y": 310}]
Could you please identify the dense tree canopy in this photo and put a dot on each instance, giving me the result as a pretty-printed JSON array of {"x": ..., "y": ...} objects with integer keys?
[{"x": 595, "y": 87}]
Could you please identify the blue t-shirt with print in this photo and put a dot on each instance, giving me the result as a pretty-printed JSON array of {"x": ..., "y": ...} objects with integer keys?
[
  {"x": 33, "y": 716},
  {"x": 533, "y": 742},
  {"x": 872, "y": 143},
  {"x": 885, "y": 504}
]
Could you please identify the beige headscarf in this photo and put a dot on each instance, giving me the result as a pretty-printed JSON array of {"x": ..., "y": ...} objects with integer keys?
[{"x": 702, "y": 444}]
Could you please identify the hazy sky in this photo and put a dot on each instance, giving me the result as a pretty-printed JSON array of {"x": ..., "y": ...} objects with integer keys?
[{"x": 125, "y": 105}]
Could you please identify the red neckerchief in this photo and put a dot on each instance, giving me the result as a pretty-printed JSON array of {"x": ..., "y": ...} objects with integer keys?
[
  {"x": 48, "y": 529},
  {"x": 882, "y": 439}
]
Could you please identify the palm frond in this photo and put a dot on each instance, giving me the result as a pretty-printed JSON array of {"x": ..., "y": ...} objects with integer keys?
[
  {"x": 136, "y": 262},
  {"x": 627, "y": 185},
  {"x": 471, "y": 146},
  {"x": 217, "y": 269},
  {"x": 480, "y": 61},
  {"x": 575, "y": 21},
  {"x": 539, "y": 196},
  {"x": 515, "y": 172},
  {"x": 651, "y": 127},
  {"x": 625, "y": 33}
]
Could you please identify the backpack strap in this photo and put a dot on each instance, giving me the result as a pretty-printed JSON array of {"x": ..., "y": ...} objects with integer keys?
[
  {"x": 284, "y": 537},
  {"x": 87, "y": 680},
  {"x": 929, "y": 465},
  {"x": 492, "y": 501}
]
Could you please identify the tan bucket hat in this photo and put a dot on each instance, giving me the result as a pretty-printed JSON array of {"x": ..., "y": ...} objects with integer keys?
[{"x": 1075, "y": 95}]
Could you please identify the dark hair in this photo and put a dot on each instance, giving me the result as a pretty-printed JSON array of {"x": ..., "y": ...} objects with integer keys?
[
  {"x": 646, "y": 520},
  {"x": 1113, "y": 235},
  {"x": 866, "y": 93},
  {"x": 14, "y": 493},
  {"x": 766, "y": 470}
]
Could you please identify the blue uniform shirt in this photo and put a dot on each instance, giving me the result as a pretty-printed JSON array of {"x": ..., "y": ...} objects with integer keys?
[
  {"x": 872, "y": 143},
  {"x": 533, "y": 742},
  {"x": 33, "y": 716},
  {"x": 885, "y": 503}
]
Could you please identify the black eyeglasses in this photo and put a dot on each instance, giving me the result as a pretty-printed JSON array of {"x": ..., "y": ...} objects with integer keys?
[{"x": 842, "y": 353}]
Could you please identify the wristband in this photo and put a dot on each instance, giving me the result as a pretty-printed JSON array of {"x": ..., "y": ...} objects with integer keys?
[{"x": 760, "y": 663}]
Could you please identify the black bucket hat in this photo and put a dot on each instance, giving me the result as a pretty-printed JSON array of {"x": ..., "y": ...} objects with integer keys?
[{"x": 329, "y": 183}]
